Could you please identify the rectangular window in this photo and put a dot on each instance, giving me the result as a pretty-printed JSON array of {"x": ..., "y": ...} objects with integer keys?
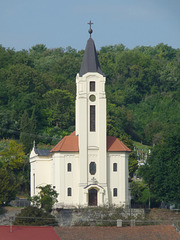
[
  {"x": 69, "y": 192},
  {"x": 114, "y": 192},
  {"x": 92, "y": 118},
  {"x": 92, "y": 86}
]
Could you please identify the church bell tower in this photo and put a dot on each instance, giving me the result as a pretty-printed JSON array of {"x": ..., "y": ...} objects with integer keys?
[{"x": 91, "y": 120}]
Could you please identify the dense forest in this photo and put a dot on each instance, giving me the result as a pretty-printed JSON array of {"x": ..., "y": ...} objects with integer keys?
[
  {"x": 37, "y": 92},
  {"x": 37, "y": 102}
]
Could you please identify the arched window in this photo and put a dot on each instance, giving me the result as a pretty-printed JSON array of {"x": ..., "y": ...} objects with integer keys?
[
  {"x": 69, "y": 191},
  {"x": 114, "y": 192},
  {"x": 92, "y": 168},
  {"x": 69, "y": 167},
  {"x": 115, "y": 167}
]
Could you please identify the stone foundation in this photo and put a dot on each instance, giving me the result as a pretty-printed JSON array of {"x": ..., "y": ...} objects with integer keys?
[{"x": 95, "y": 216}]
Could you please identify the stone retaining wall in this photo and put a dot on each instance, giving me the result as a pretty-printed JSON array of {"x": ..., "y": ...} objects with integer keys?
[{"x": 95, "y": 216}]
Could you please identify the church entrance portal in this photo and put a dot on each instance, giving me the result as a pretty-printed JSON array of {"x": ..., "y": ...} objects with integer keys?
[{"x": 92, "y": 197}]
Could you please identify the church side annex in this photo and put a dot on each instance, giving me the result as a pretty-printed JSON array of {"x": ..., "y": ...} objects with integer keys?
[{"x": 86, "y": 168}]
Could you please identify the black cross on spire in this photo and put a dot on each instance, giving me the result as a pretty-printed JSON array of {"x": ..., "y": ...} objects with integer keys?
[{"x": 90, "y": 29}]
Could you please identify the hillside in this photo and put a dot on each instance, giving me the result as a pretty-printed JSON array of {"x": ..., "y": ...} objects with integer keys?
[{"x": 37, "y": 92}]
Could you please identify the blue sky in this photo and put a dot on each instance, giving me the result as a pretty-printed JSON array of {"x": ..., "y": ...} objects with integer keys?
[{"x": 57, "y": 23}]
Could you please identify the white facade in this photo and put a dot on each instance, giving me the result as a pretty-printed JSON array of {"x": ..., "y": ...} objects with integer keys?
[{"x": 86, "y": 168}]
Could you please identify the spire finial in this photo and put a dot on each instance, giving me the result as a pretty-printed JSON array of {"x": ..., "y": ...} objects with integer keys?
[{"x": 90, "y": 29}]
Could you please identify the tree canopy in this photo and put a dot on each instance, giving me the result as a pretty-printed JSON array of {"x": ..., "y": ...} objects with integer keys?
[
  {"x": 161, "y": 171},
  {"x": 143, "y": 89},
  {"x": 14, "y": 170},
  {"x": 12, "y": 156},
  {"x": 46, "y": 198},
  {"x": 8, "y": 186}
]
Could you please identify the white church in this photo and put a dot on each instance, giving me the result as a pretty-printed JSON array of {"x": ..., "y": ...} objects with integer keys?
[{"x": 86, "y": 168}]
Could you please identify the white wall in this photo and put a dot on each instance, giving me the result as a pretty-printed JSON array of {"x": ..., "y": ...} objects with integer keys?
[
  {"x": 41, "y": 169},
  {"x": 118, "y": 179},
  {"x": 64, "y": 179}
]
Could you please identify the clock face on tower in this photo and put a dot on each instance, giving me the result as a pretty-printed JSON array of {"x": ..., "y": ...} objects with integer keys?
[{"x": 92, "y": 98}]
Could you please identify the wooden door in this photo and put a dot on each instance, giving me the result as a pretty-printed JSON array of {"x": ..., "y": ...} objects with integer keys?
[{"x": 93, "y": 197}]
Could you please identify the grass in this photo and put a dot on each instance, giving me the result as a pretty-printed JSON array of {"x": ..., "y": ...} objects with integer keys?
[{"x": 142, "y": 146}]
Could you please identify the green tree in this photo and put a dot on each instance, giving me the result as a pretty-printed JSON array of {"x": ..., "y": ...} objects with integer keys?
[
  {"x": 46, "y": 199},
  {"x": 28, "y": 130},
  {"x": 25, "y": 131},
  {"x": 59, "y": 108},
  {"x": 133, "y": 164},
  {"x": 161, "y": 172},
  {"x": 12, "y": 157},
  {"x": 23, "y": 177},
  {"x": 6, "y": 56},
  {"x": 38, "y": 50},
  {"x": 14, "y": 161},
  {"x": 8, "y": 186},
  {"x": 139, "y": 192}
]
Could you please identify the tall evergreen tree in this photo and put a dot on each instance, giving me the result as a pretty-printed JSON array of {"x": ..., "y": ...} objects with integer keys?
[
  {"x": 28, "y": 130},
  {"x": 8, "y": 186}
]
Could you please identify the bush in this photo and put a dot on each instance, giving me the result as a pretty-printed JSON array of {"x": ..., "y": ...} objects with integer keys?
[{"x": 34, "y": 216}]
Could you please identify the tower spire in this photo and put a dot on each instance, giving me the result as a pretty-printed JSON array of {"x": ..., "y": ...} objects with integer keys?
[{"x": 90, "y": 62}]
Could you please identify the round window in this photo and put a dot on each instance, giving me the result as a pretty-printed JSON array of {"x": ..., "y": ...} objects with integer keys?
[{"x": 92, "y": 98}]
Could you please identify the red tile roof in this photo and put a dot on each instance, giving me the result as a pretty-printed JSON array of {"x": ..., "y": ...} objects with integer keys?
[
  {"x": 67, "y": 144},
  {"x": 159, "y": 232},
  {"x": 27, "y": 233},
  {"x": 115, "y": 145},
  {"x": 70, "y": 144}
]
